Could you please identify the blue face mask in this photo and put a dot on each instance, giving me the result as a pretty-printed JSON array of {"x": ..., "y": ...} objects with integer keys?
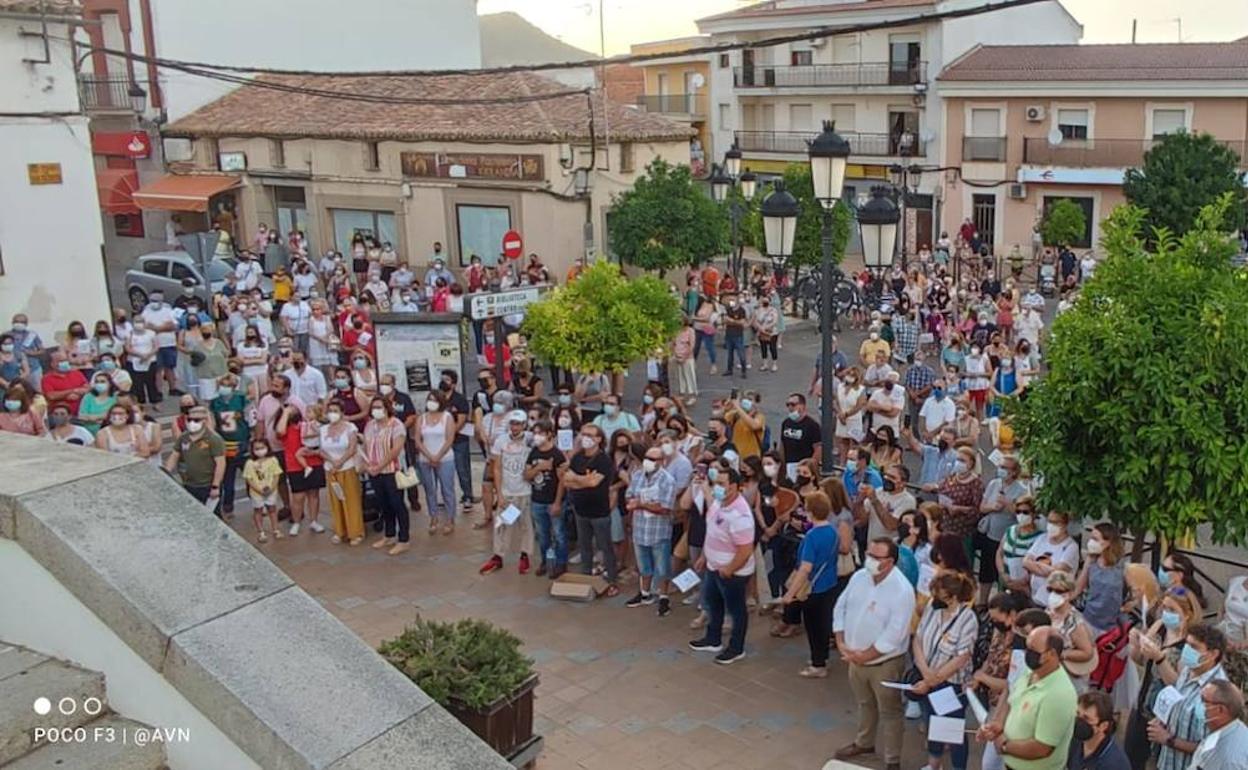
[
  {"x": 718, "y": 492},
  {"x": 497, "y": 409},
  {"x": 1189, "y": 657},
  {"x": 225, "y": 392},
  {"x": 794, "y": 416},
  {"x": 12, "y": 404},
  {"x": 108, "y": 366},
  {"x": 747, "y": 404},
  {"x": 564, "y": 399},
  {"x": 1198, "y": 711},
  {"x": 939, "y": 393},
  {"x": 712, "y": 475},
  {"x": 1170, "y": 619},
  {"x": 851, "y": 465},
  {"x": 1163, "y": 577},
  {"x": 647, "y": 399},
  {"x": 62, "y": 366}
]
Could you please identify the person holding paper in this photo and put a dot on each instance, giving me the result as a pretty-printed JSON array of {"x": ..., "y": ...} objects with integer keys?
[
  {"x": 872, "y": 626},
  {"x": 649, "y": 497},
  {"x": 1033, "y": 728},
  {"x": 1052, "y": 551},
  {"x": 816, "y": 566},
  {"x": 542, "y": 471},
  {"x": 1183, "y": 727},
  {"x": 510, "y": 455},
  {"x": 728, "y": 558},
  {"x": 942, "y": 648},
  {"x": 588, "y": 478}
]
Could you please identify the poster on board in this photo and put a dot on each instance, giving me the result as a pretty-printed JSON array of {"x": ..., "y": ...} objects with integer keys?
[{"x": 416, "y": 351}]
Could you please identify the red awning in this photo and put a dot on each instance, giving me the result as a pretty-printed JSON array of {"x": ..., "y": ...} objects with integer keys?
[
  {"x": 183, "y": 193},
  {"x": 116, "y": 187}
]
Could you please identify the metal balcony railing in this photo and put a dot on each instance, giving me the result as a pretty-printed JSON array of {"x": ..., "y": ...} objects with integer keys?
[
  {"x": 876, "y": 145},
  {"x": 849, "y": 75},
  {"x": 675, "y": 104},
  {"x": 106, "y": 92},
  {"x": 1107, "y": 153},
  {"x": 983, "y": 148}
]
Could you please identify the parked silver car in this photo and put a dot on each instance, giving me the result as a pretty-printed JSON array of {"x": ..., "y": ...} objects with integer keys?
[{"x": 165, "y": 271}]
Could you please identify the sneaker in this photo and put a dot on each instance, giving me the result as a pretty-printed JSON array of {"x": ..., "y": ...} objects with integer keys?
[
  {"x": 713, "y": 369},
  {"x": 294, "y": 530},
  {"x": 814, "y": 672},
  {"x": 262, "y": 537},
  {"x": 690, "y": 599},
  {"x": 699, "y": 621},
  {"x": 524, "y": 564},
  {"x": 316, "y": 527},
  {"x": 574, "y": 559},
  {"x": 703, "y": 645},
  {"x": 728, "y": 657},
  {"x": 277, "y": 534},
  {"x": 639, "y": 600},
  {"x": 665, "y": 606},
  {"x": 913, "y": 710},
  {"x": 335, "y": 540},
  {"x": 492, "y": 564},
  {"x": 750, "y": 366}
]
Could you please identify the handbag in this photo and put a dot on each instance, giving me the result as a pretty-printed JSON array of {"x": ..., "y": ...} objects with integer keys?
[
  {"x": 913, "y": 675},
  {"x": 800, "y": 585},
  {"x": 405, "y": 477}
]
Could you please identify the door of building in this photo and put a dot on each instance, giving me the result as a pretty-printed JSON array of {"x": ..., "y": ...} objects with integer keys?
[
  {"x": 747, "y": 67},
  {"x": 292, "y": 212},
  {"x": 984, "y": 208}
]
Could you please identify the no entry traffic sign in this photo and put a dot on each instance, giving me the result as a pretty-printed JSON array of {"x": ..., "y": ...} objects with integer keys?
[{"x": 513, "y": 244}]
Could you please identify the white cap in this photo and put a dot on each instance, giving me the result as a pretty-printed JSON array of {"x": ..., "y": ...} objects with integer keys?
[{"x": 518, "y": 415}]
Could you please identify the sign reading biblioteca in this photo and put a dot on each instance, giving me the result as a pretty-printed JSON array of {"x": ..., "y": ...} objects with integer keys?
[
  {"x": 495, "y": 304},
  {"x": 472, "y": 165}
]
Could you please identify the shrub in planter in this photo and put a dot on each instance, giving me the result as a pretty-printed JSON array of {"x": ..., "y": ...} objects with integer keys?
[{"x": 474, "y": 670}]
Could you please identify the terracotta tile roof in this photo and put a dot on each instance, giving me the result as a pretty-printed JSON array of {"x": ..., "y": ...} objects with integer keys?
[
  {"x": 254, "y": 111},
  {"x": 52, "y": 7},
  {"x": 776, "y": 8},
  {"x": 1126, "y": 61}
]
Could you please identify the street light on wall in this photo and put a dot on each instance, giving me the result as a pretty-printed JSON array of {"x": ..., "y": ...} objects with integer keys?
[
  {"x": 877, "y": 224},
  {"x": 138, "y": 98}
]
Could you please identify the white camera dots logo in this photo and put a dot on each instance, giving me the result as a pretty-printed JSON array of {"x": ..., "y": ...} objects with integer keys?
[
  {"x": 42, "y": 706},
  {"x": 68, "y": 706}
]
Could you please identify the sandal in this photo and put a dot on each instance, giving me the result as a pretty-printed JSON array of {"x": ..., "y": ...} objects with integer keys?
[
  {"x": 482, "y": 524},
  {"x": 611, "y": 590},
  {"x": 448, "y": 529}
]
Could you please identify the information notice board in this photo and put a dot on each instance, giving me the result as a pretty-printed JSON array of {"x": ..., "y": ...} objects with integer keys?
[{"x": 416, "y": 347}]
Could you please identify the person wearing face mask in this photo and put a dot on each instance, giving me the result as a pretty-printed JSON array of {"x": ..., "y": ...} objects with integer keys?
[
  {"x": 884, "y": 506},
  {"x": 1157, "y": 648},
  {"x": 1080, "y": 655},
  {"x": 64, "y": 382},
  {"x": 94, "y": 406},
  {"x": 681, "y": 365},
  {"x": 614, "y": 419},
  {"x": 229, "y": 412},
  {"x": 850, "y": 407},
  {"x": 817, "y": 568},
  {"x": 871, "y": 348},
  {"x": 1178, "y": 571},
  {"x": 728, "y": 560},
  {"x": 747, "y": 422},
  {"x": 18, "y": 415},
  {"x": 295, "y": 317},
  {"x": 961, "y": 492},
  {"x": 588, "y": 477},
  {"x": 735, "y": 320},
  {"x": 384, "y": 437},
  {"x": 357, "y": 337},
  {"x": 591, "y": 390},
  {"x": 1102, "y": 582},
  {"x": 1094, "y": 747},
  {"x": 122, "y": 382},
  {"x": 462, "y": 414},
  {"x": 1004, "y": 385},
  {"x": 887, "y": 403},
  {"x": 433, "y": 434},
  {"x": 871, "y": 621},
  {"x": 800, "y": 435},
  {"x": 199, "y": 455},
  {"x": 159, "y": 317},
  {"x": 649, "y": 498},
  {"x": 543, "y": 468},
  {"x": 13, "y": 365},
  {"x": 1180, "y": 726},
  {"x": 937, "y": 412},
  {"x": 1052, "y": 551},
  {"x": 942, "y": 648},
  {"x": 210, "y": 353},
  {"x": 1033, "y": 727},
  {"x": 78, "y": 347},
  {"x": 674, "y": 460},
  {"x": 62, "y": 431},
  {"x": 262, "y": 473},
  {"x": 1015, "y": 543},
  {"x": 979, "y": 377},
  {"x": 990, "y": 678},
  {"x": 767, "y": 327},
  {"x": 306, "y": 382},
  {"x": 1225, "y": 745},
  {"x": 28, "y": 347},
  {"x": 998, "y": 507},
  {"x": 339, "y": 448},
  {"x": 495, "y": 336}
]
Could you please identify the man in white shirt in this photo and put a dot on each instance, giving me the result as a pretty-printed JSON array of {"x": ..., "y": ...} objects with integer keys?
[
  {"x": 295, "y": 315},
  {"x": 161, "y": 319},
  {"x": 247, "y": 271},
  {"x": 307, "y": 383},
  {"x": 937, "y": 412},
  {"x": 1225, "y": 745},
  {"x": 1029, "y": 325},
  {"x": 887, "y": 403},
  {"x": 872, "y": 626},
  {"x": 885, "y": 507}
]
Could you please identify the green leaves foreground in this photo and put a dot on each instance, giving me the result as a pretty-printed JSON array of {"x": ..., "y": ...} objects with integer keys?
[
  {"x": 603, "y": 321},
  {"x": 1143, "y": 415}
]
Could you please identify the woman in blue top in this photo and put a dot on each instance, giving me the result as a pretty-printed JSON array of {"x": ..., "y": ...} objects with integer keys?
[
  {"x": 817, "y": 556},
  {"x": 1004, "y": 383}
]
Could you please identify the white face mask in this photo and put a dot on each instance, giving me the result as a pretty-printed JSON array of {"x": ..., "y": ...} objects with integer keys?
[
  {"x": 1055, "y": 601},
  {"x": 1054, "y": 530},
  {"x": 379, "y": 414},
  {"x": 588, "y": 443},
  {"x": 873, "y": 566},
  {"x": 565, "y": 422},
  {"x": 874, "y": 336},
  {"x": 1095, "y": 547},
  {"x": 386, "y": 389},
  {"x": 649, "y": 465},
  {"x": 1023, "y": 519},
  {"x": 333, "y": 417},
  {"x": 194, "y": 426},
  {"x": 669, "y": 450},
  {"x": 432, "y": 406},
  {"x": 770, "y": 470}
]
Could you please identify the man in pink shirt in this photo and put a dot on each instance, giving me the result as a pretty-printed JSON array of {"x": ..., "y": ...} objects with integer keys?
[{"x": 727, "y": 561}]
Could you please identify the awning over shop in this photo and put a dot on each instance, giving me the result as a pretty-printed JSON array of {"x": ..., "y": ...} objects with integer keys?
[
  {"x": 183, "y": 193},
  {"x": 116, "y": 187}
]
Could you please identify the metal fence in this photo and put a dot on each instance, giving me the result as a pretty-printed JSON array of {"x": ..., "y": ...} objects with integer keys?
[
  {"x": 849, "y": 75},
  {"x": 881, "y": 145},
  {"x": 105, "y": 92},
  {"x": 688, "y": 104},
  {"x": 1108, "y": 153}
]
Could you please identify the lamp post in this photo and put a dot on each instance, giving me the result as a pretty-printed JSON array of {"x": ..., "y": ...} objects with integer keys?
[
  {"x": 723, "y": 179},
  {"x": 905, "y": 178},
  {"x": 829, "y": 154},
  {"x": 877, "y": 223},
  {"x": 138, "y": 98}
]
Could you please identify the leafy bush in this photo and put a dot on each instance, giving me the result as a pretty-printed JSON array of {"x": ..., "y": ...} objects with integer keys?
[
  {"x": 1064, "y": 223},
  {"x": 469, "y": 662},
  {"x": 666, "y": 221},
  {"x": 1181, "y": 175}
]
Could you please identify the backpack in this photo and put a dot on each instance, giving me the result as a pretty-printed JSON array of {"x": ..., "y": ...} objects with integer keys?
[{"x": 1111, "y": 650}]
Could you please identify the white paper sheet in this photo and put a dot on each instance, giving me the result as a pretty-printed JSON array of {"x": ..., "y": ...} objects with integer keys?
[
  {"x": 1165, "y": 703},
  {"x": 686, "y": 580},
  {"x": 790, "y": 470},
  {"x": 563, "y": 439},
  {"x": 898, "y": 686},
  {"x": 509, "y": 516},
  {"x": 977, "y": 707},
  {"x": 951, "y": 730},
  {"x": 944, "y": 701}
]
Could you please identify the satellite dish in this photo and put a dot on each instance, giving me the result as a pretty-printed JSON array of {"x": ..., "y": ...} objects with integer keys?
[
  {"x": 698, "y": 81},
  {"x": 1055, "y": 137}
]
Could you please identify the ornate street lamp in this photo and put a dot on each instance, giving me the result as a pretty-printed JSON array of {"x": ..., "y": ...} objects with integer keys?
[
  {"x": 877, "y": 223},
  {"x": 780, "y": 210},
  {"x": 732, "y": 161},
  {"x": 720, "y": 183},
  {"x": 138, "y": 98},
  {"x": 829, "y": 155}
]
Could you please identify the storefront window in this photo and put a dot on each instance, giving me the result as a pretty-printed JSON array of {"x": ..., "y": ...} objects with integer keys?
[
  {"x": 481, "y": 230},
  {"x": 347, "y": 222}
]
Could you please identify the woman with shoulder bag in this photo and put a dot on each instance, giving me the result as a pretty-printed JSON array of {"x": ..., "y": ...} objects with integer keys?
[
  {"x": 812, "y": 585},
  {"x": 942, "y": 649}
]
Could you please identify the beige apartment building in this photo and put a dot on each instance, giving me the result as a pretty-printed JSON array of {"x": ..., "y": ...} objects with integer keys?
[
  {"x": 1027, "y": 125},
  {"x": 415, "y": 173},
  {"x": 679, "y": 86}
]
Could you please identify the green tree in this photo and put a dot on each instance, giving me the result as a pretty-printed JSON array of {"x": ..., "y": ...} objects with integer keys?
[
  {"x": 1143, "y": 415},
  {"x": 603, "y": 321},
  {"x": 666, "y": 221},
  {"x": 808, "y": 243},
  {"x": 1180, "y": 176},
  {"x": 1064, "y": 223}
]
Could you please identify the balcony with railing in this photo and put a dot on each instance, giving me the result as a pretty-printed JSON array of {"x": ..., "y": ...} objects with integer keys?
[
  {"x": 795, "y": 142},
  {"x": 106, "y": 93},
  {"x": 985, "y": 149},
  {"x": 1102, "y": 153},
  {"x": 693, "y": 105},
  {"x": 830, "y": 75}
]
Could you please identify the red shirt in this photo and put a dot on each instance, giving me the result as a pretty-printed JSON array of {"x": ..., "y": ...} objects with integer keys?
[
  {"x": 710, "y": 281},
  {"x": 292, "y": 441},
  {"x": 476, "y": 278},
  {"x": 353, "y": 337},
  {"x": 57, "y": 381},
  {"x": 488, "y": 351}
]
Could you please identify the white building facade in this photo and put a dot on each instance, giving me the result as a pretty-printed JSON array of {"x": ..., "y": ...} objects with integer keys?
[
  {"x": 51, "y": 267},
  {"x": 879, "y": 87}
]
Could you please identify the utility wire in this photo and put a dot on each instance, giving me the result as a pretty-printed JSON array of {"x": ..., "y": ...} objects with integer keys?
[{"x": 595, "y": 62}]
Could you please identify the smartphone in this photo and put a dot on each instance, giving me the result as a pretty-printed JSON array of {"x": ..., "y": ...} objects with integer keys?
[
  {"x": 734, "y": 394},
  {"x": 700, "y": 470}
]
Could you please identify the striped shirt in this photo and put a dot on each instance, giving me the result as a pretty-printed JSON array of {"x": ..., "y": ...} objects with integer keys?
[{"x": 944, "y": 638}]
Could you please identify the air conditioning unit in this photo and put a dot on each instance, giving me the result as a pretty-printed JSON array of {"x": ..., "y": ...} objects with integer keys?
[
  {"x": 1018, "y": 191},
  {"x": 817, "y": 42},
  {"x": 1035, "y": 113}
]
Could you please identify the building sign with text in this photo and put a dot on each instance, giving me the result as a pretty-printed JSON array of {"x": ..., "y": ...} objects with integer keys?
[{"x": 473, "y": 165}]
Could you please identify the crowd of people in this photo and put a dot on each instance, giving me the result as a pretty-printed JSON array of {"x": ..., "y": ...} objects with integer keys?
[{"x": 948, "y": 580}]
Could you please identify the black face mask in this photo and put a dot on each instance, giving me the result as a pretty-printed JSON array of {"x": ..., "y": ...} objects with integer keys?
[
  {"x": 445, "y": 386},
  {"x": 803, "y": 480},
  {"x": 943, "y": 445},
  {"x": 889, "y": 485},
  {"x": 903, "y": 529},
  {"x": 939, "y": 604},
  {"x": 1033, "y": 659},
  {"x": 713, "y": 435},
  {"x": 1083, "y": 730},
  {"x": 1002, "y": 627},
  {"x": 1019, "y": 643}
]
